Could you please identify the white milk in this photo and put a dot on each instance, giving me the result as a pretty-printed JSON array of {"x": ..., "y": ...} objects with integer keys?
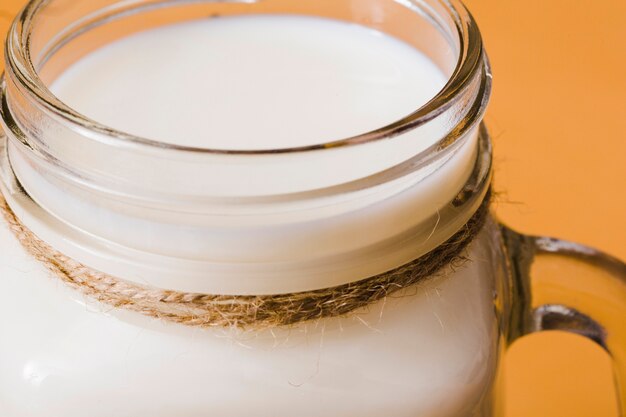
[
  {"x": 242, "y": 83},
  {"x": 429, "y": 354},
  {"x": 251, "y": 82}
]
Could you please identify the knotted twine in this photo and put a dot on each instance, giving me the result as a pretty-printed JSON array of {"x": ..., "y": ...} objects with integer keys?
[{"x": 244, "y": 311}]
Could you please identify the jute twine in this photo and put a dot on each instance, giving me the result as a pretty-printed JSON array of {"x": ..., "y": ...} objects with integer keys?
[{"x": 243, "y": 311}]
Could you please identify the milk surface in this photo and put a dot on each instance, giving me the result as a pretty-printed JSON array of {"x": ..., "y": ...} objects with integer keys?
[{"x": 255, "y": 82}]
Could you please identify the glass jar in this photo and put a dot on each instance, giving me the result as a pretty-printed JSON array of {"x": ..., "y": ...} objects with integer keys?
[{"x": 151, "y": 213}]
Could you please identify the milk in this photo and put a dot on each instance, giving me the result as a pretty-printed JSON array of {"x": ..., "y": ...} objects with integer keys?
[
  {"x": 251, "y": 82},
  {"x": 430, "y": 352},
  {"x": 244, "y": 83}
]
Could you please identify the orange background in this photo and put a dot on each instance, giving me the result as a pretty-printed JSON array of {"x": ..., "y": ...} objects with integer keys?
[{"x": 558, "y": 118}]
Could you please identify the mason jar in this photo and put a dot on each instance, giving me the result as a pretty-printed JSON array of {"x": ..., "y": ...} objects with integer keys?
[{"x": 357, "y": 276}]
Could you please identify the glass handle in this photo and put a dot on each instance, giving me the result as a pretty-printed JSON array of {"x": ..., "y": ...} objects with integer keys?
[{"x": 559, "y": 285}]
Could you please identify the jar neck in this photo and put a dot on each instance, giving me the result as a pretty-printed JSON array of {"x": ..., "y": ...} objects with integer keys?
[
  {"x": 294, "y": 252},
  {"x": 153, "y": 212}
]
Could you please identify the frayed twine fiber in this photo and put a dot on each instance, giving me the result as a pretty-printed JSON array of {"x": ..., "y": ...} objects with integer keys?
[{"x": 244, "y": 311}]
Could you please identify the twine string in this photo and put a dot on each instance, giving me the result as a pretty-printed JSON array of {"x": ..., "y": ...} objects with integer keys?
[{"x": 243, "y": 311}]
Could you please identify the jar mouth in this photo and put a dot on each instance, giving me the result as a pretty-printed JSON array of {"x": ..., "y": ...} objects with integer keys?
[
  {"x": 122, "y": 195},
  {"x": 461, "y": 30}
]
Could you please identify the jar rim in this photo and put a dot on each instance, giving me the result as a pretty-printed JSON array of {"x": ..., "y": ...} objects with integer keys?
[{"x": 470, "y": 61}]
